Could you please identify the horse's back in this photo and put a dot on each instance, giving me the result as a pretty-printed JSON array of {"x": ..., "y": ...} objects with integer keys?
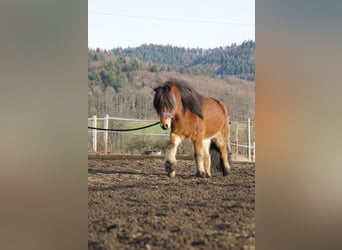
[{"x": 214, "y": 110}]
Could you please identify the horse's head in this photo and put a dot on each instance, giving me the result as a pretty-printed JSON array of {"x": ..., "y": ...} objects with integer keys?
[{"x": 165, "y": 104}]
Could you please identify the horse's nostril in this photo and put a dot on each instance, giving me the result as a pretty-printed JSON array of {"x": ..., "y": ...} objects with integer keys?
[{"x": 165, "y": 126}]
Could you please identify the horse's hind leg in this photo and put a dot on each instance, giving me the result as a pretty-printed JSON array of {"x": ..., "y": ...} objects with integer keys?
[
  {"x": 206, "y": 156},
  {"x": 222, "y": 145},
  {"x": 199, "y": 157},
  {"x": 170, "y": 154}
]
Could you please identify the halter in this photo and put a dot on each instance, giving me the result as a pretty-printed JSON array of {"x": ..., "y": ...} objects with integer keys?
[{"x": 173, "y": 110}]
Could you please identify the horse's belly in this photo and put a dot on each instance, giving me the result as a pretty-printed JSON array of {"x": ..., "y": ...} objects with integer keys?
[{"x": 212, "y": 129}]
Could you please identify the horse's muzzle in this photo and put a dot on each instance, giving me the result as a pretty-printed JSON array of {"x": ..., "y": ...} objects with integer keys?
[{"x": 165, "y": 126}]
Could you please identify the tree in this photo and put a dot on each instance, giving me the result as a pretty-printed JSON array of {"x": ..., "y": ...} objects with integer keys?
[
  {"x": 153, "y": 68},
  {"x": 119, "y": 82}
]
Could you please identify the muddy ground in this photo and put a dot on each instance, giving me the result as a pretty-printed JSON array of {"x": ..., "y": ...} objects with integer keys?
[{"x": 132, "y": 204}]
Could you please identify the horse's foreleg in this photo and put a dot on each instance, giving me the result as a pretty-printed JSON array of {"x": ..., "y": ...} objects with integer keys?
[{"x": 170, "y": 154}]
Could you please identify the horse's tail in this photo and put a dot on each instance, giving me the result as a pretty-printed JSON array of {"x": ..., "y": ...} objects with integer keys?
[{"x": 215, "y": 156}]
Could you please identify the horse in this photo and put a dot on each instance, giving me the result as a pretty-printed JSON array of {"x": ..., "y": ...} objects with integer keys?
[{"x": 202, "y": 120}]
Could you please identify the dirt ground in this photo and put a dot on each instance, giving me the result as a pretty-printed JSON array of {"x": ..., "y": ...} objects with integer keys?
[{"x": 133, "y": 204}]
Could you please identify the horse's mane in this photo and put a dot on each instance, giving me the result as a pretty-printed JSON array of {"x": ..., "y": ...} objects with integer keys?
[{"x": 191, "y": 99}]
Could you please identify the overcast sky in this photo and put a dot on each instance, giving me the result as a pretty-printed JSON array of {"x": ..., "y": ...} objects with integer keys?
[{"x": 183, "y": 23}]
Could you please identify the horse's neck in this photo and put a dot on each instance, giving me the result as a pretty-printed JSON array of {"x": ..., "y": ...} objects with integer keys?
[{"x": 185, "y": 120}]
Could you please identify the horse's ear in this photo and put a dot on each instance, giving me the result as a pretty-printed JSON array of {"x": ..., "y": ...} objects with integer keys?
[{"x": 154, "y": 88}]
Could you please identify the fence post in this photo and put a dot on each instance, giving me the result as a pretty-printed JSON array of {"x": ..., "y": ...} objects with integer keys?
[
  {"x": 249, "y": 138},
  {"x": 254, "y": 151},
  {"x": 237, "y": 138},
  {"x": 105, "y": 138},
  {"x": 94, "y": 134}
]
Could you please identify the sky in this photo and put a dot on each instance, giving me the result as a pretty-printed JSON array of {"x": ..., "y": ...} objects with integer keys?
[{"x": 182, "y": 23}]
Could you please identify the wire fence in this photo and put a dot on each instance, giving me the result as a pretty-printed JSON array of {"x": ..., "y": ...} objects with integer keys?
[{"x": 152, "y": 140}]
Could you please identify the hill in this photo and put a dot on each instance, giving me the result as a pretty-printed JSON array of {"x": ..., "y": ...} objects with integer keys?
[
  {"x": 234, "y": 60},
  {"x": 119, "y": 85}
]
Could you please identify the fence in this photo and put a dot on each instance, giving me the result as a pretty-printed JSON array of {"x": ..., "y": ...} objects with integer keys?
[
  {"x": 242, "y": 140},
  {"x": 152, "y": 141}
]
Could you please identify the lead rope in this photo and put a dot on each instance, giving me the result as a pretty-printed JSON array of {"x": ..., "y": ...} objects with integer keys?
[{"x": 124, "y": 129}]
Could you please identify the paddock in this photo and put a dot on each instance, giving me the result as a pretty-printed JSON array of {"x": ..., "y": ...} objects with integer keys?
[{"x": 133, "y": 204}]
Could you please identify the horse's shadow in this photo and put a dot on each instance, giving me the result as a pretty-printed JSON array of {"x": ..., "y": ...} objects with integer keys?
[
  {"x": 122, "y": 172},
  {"x": 184, "y": 176},
  {"x": 126, "y": 173},
  {"x": 149, "y": 179}
]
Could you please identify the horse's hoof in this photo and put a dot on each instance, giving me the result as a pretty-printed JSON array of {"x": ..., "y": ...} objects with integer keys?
[
  {"x": 172, "y": 174},
  {"x": 208, "y": 175},
  {"x": 169, "y": 169},
  {"x": 200, "y": 174},
  {"x": 226, "y": 171}
]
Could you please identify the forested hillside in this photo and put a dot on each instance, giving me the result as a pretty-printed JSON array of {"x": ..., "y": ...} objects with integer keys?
[
  {"x": 234, "y": 60},
  {"x": 120, "y": 85}
]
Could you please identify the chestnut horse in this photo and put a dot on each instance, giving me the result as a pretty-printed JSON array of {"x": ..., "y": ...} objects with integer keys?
[{"x": 202, "y": 120}]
